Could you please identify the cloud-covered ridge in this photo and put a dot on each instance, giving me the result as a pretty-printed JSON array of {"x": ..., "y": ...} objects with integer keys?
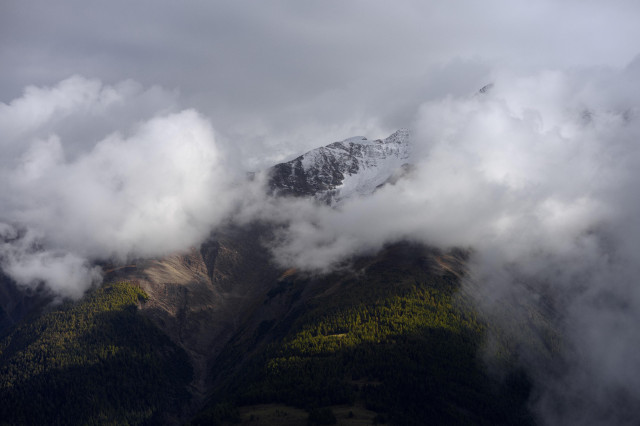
[
  {"x": 539, "y": 177},
  {"x": 140, "y": 185}
]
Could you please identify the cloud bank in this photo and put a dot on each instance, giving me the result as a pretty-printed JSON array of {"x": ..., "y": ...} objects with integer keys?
[
  {"x": 92, "y": 171},
  {"x": 538, "y": 177},
  {"x": 284, "y": 76}
]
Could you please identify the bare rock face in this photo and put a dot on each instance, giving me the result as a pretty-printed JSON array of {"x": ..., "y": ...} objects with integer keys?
[
  {"x": 200, "y": 298},
  {"x": 341, "y": 170}
]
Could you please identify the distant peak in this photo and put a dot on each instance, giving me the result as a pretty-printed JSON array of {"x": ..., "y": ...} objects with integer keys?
[
  {"x": 399, "y": 136},
  {"x": 401, "y": 133},
  {"x": 486, "y": 88},
  {"x": 353, "y": 167},
  {"x": 355, "y": 139}
]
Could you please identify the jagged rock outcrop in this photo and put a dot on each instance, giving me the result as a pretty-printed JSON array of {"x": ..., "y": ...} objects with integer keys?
[{"x": 341, "y": 170}]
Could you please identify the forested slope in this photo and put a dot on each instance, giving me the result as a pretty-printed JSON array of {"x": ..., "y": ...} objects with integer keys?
[
  {"x": 97, "y": 361},
  {"x": 389, "y": 334}
]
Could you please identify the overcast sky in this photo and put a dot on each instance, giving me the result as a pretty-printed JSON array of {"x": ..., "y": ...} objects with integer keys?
[{"x": 275, "y": 77}]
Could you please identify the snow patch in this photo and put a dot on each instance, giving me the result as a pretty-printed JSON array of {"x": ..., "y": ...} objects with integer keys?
[{"x": 364, "y": 164}]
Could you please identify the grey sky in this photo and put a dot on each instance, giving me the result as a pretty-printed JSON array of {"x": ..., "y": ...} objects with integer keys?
[{"x": 285, "y": 75}]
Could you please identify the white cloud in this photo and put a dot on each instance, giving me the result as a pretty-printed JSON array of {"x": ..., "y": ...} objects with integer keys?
[
  {"x": 270, "y": 73},
  {"x": 539, "y": 177},
  {"x": 157, "y": 188}
]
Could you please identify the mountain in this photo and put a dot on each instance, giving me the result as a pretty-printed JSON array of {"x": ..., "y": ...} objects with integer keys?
[
  {"x": 18, "y": 303},
  {"x": 386, "y": 337},
  {"x": 96, "y": 361},
  {"x": 342, "y": 170},
  {"x": 200, "y": 298}
]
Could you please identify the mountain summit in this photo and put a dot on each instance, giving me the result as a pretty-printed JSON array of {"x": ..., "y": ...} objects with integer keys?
[{"x": 353, "y": 167}]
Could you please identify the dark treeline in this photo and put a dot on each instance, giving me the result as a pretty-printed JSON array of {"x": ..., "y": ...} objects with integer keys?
[
  {"x": 393, "y": 338},
  {"x": 97, "y": 361}
]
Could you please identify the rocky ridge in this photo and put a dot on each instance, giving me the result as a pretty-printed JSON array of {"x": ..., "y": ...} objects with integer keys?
[{"x": 334, "y": 173}]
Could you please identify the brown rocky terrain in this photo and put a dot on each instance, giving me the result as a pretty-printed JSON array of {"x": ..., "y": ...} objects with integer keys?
[{"x": 200, "y": 298}]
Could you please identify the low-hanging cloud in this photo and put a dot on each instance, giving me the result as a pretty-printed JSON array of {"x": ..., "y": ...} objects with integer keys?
[
  {"x": 143, "y": 184},
  {"x": 283, "y": 75},
  {"x": 539, "y": 177}
]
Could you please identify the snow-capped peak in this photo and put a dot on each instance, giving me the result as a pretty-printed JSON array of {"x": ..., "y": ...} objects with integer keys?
[{"x": 353, "y": 167}]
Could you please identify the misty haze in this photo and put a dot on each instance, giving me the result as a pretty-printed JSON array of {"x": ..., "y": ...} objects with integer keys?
[{"x": 333, "y": 212}]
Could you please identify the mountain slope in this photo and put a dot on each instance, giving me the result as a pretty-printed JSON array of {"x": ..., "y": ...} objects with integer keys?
[
  {"x": 341, "y": 170},
  {"x": 201, "y": 297},
  {"x": 388, "y": 334},
  {"x": 18, "y": 303},
  {"x": 93, "y": 362}
]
